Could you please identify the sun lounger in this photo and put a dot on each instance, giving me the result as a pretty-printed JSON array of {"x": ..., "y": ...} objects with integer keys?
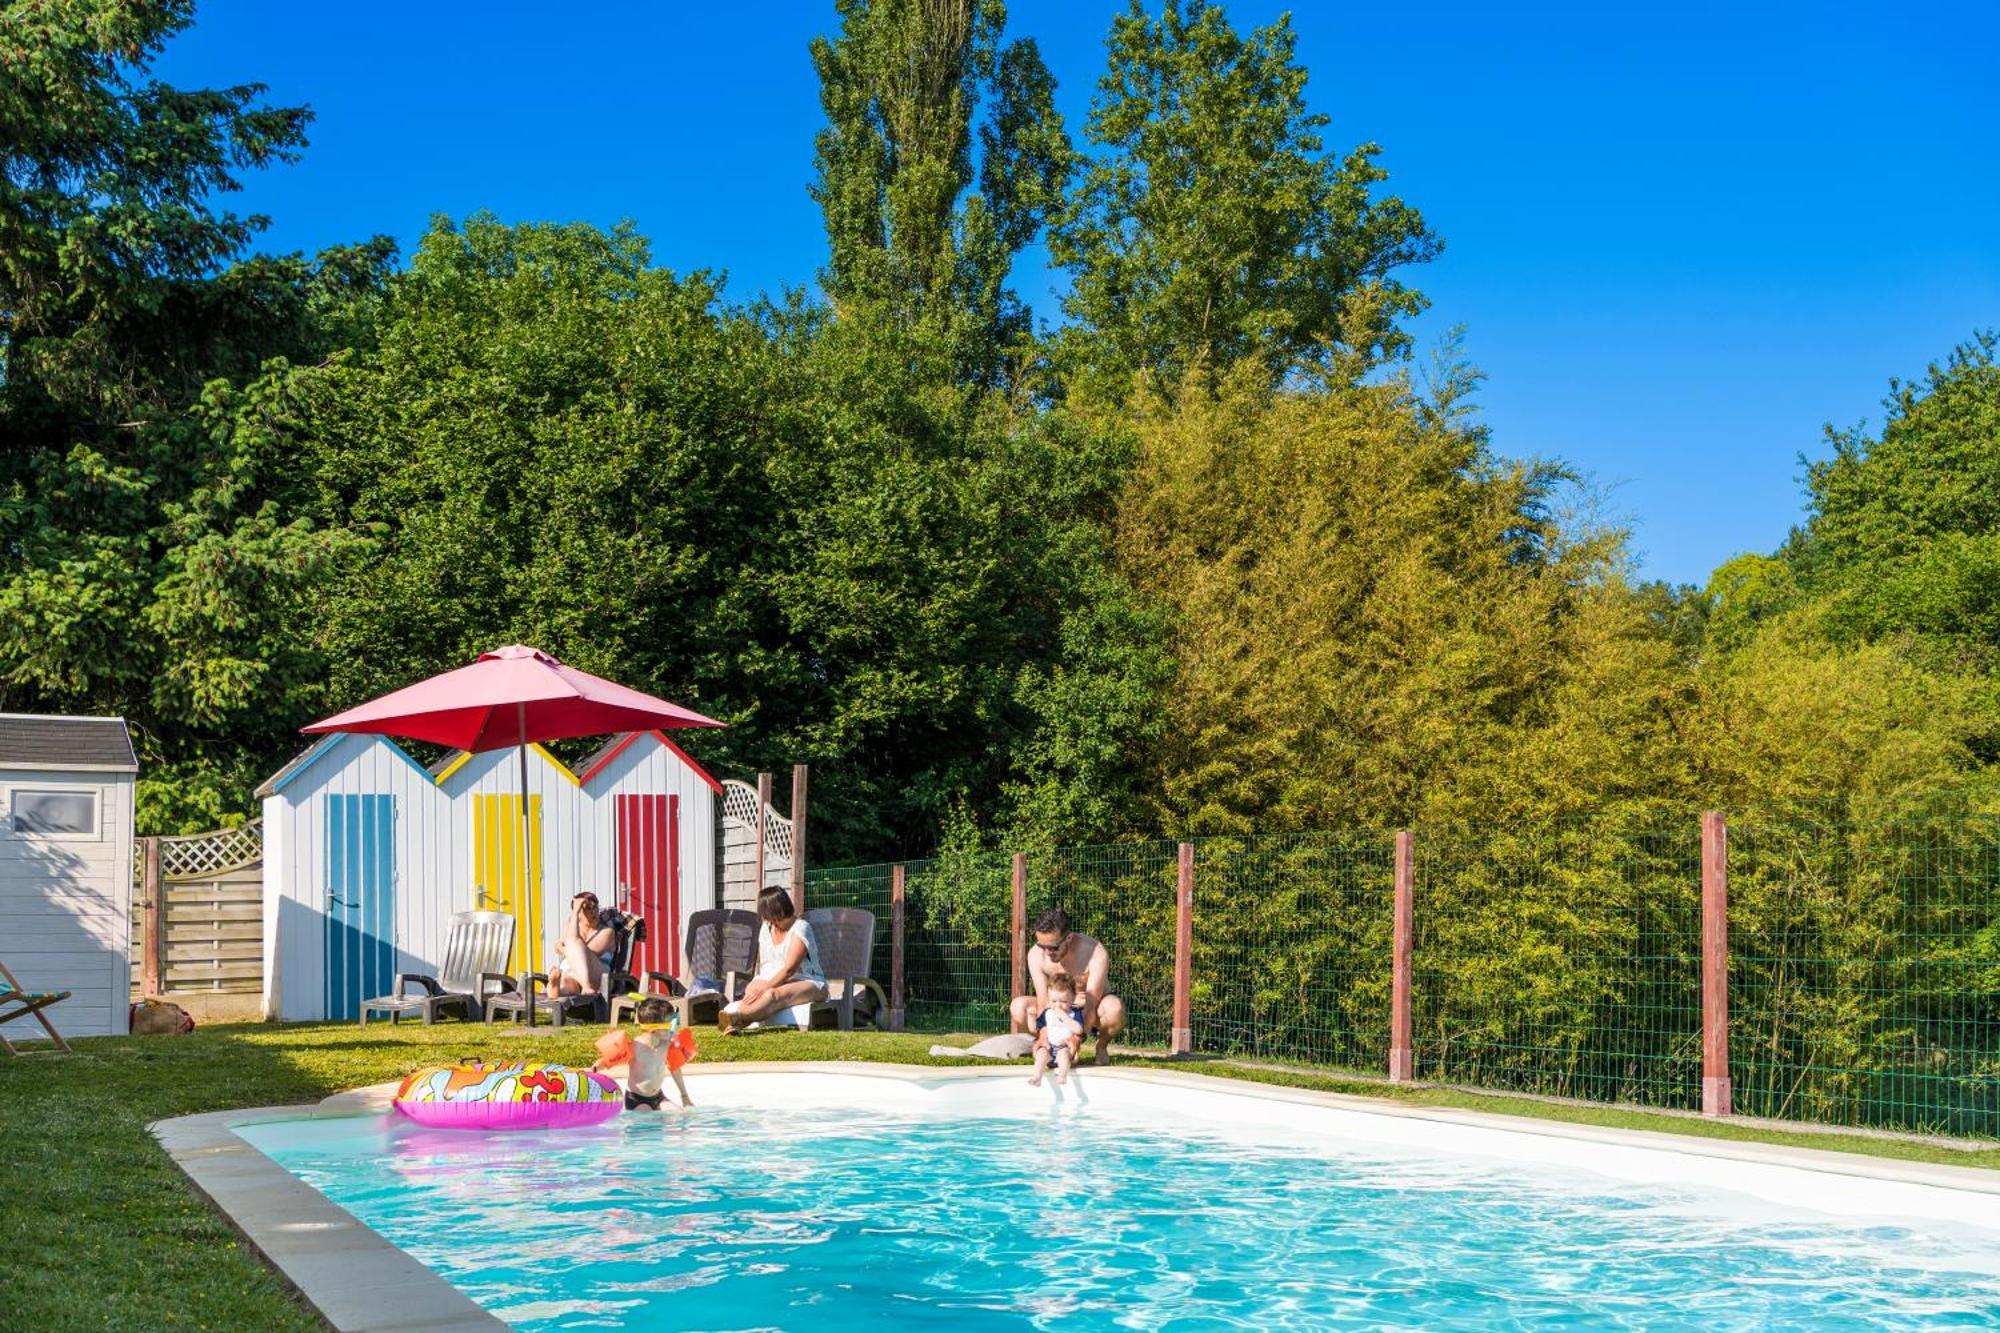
[
  {"x": 846, "y": 940},
  {"x": 721, "y": 959},
  {"x": 523, "y": 998},
  {"x": 475, "y": 952},
  {"x": 16, "y": 1001}
]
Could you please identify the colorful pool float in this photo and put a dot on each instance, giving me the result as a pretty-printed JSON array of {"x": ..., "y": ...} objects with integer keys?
[{"x": 510, "y": 1096}]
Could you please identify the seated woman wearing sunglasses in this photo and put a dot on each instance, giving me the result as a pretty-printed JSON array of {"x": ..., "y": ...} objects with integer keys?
[{"x": 1059, "y": 949}]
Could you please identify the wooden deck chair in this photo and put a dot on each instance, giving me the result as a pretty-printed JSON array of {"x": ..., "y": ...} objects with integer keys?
[
  {"x": 721, "y": 958},
  {"x": 18, "y": 1002},
  {"x": 476, "y": 945},
  {"x": 845, "y": 937}
]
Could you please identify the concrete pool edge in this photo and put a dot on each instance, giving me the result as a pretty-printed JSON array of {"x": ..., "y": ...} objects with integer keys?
[
  {"x": 346, "y": 1271},
  {"x": 358, "y": 1280}
]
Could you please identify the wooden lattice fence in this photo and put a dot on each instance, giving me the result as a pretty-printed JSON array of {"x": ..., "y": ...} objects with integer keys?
[{"x": 198, "y": 915}]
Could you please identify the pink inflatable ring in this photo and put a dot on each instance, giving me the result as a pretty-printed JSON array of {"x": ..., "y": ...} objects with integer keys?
[{"x": 510, "y": 1096}]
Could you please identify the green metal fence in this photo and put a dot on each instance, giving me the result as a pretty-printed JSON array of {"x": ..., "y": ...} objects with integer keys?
[
  {"x": 1560, "y": 958},
  {"x": 1292, "y": 948},
  {"x": 1864, "y": 972}
]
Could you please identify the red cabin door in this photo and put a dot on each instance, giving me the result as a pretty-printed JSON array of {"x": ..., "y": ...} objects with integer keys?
[{"x": 649, "y": 875}]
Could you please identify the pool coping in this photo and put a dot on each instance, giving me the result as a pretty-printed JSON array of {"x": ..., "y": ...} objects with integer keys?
[{"x": 359, "y": 1281}]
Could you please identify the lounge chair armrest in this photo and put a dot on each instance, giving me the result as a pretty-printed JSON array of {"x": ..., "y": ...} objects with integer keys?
[
  {"x": 672, "y": 985},
  {"x": 405, "y": 979},
  {"x": 527, "y": 981},
  {"x": 502, "y": 982}
]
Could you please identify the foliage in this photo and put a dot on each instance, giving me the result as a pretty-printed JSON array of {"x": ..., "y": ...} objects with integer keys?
[
  {"x": 156, "y": 566},
  {"x": 1211, "y": 226},
  {"x": 1376, "y": 619},
  {"x": 922, "y": 229}
]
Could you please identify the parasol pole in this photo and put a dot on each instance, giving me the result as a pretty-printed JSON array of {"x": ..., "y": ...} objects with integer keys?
[{"x": 529, "y": 916}]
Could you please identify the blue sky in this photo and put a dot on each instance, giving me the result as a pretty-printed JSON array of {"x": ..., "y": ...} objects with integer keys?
[{"x": 1680, "y": 238}]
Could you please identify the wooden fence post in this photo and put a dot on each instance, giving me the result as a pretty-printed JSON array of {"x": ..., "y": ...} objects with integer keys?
[
  {"x": 1183, "y": 1027},
  {"x": 1402, "y": 1059},
  {"x": 896, "y": 948},
  {"x": 1017, "y": 967},
  {"x": 799, "y": 838},
  {"x": 152, "y": 891},
  {"x": 1716, "y": 1094},
  {"x": 763, "y": 805}
]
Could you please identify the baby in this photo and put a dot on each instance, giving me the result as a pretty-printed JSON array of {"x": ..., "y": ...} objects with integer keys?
[
  {"x": 656, "y": 1055},
  {"x": 1058, "y": 1030}
]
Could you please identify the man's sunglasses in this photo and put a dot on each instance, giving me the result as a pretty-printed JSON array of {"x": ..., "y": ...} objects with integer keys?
[{"x": 1055, "y": 948}]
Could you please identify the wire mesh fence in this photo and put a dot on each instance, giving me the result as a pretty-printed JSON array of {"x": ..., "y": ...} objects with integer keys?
[
  {"x": 1123, "y": 896},
  {"x": 1865, "y": 973},
  {"x": 1291, "y": 956},
  {"x": 1559, "y": 958}
]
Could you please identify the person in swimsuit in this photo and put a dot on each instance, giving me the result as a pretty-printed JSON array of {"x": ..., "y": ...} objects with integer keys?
[
  {"x": 645, "y": 1079},
  {"x": 1057, "y": 948},
  {"x": 788, "y": 968},
  {"x": 1058, "y": 1031},
  {"x": 588, "y": 943}
]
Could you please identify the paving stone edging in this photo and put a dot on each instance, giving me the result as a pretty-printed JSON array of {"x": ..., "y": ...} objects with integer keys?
[{"x": 358, "y": 1281}]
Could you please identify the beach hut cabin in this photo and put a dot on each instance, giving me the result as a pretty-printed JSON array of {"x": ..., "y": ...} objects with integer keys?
[
  {"x": 66, "y": 867},
  {"x": 357, "y": 851},
  {"x": 654, "y": 815},
  {"x": 367, "y": 855}
]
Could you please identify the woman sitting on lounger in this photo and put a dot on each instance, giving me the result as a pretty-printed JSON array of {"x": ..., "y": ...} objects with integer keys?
[
  {"x": 588, "y": 944},
  {"x": 788, "y": 970}
]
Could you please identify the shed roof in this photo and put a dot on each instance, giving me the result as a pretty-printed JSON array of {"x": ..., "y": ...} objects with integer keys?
[
  {"x": 612, "y": 748},
  {"x": 309, "y": 756},
  {"x": 73, "y": 744}
]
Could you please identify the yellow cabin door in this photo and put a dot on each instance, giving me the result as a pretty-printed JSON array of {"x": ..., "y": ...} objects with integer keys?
[{"x": 500, "y": 882}]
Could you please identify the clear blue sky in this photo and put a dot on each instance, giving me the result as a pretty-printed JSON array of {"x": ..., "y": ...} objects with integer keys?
[{"x": 1680, "y": 238}]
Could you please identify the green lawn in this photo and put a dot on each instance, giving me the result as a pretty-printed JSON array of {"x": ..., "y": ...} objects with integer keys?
[{"x": 103, "y": 1233}]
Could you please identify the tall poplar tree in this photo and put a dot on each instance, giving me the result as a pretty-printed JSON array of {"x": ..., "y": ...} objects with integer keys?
[
  {"x": 941, "y": 158},
  {"x": 1213, "y": 226}
]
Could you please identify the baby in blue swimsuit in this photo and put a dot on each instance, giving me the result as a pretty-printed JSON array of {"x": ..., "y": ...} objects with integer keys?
[{"x": 1058, "y": 1030}]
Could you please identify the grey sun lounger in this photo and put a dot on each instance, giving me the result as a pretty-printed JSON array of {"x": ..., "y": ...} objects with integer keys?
[
  {"x": 846, "y": 940},
  {"x": 523, "y": 998},
  {"x": 721, "y": 958},
  {"x": 476, "y": 947}
]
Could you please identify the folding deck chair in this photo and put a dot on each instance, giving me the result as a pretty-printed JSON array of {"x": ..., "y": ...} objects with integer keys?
[
  {"x": 18, "y": 1002},
  {"x": 721, "y": 959}
]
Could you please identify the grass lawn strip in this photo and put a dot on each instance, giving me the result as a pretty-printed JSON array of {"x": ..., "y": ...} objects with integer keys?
[{"x": 103, "y": 1232}]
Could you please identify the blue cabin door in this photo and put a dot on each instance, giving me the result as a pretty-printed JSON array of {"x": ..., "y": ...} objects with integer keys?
[{"x": 360, "y": 901}]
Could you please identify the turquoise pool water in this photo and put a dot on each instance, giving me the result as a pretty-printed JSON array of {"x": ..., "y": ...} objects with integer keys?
[{"x": 818, "y": 1221}]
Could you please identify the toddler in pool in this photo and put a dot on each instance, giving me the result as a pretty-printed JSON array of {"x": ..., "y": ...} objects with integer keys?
[
  {"x": 654, "y": 1056},
  {"x": 1058, "y": 1030}
]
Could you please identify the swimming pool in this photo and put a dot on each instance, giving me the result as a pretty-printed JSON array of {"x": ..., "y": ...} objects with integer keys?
[{"x": 1145, "y": 1203}]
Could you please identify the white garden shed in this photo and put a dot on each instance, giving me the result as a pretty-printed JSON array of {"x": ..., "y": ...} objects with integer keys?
[
  {"x": 367, "y": 854},
  {"x": 66, "y": 867}
]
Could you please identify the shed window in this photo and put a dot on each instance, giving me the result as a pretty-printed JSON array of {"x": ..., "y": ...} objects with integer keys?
[{"x": 62, "y": 813}]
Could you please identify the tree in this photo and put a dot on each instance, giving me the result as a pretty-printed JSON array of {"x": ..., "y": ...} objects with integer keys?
[
  {"x": 106, "y": 213},
  {"x": 1211, "y": 226},
  {"x": 1376, "y": 620},
  {"x": 155, "y": 557},
  {"x": 923, "y": 230}
]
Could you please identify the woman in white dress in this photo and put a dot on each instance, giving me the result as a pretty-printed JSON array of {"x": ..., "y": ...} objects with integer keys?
[{"x": 788, "y": 967}]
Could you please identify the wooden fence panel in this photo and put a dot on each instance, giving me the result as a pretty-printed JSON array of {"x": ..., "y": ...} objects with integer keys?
[{"x": 212, "y": 916}]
